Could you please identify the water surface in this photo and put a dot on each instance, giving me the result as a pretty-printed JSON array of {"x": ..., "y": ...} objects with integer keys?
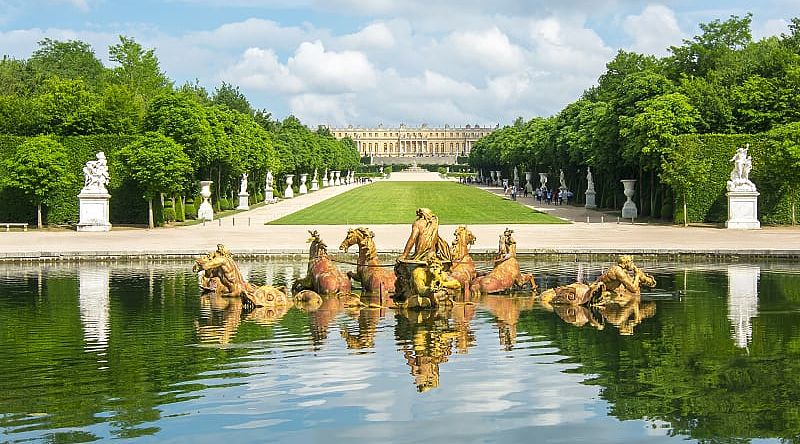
[{"x": 101, "y": 351}]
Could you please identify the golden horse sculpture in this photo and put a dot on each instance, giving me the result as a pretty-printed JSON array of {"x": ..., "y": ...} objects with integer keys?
[
  {"x": 621, "y": 283},
  {"x": 221, "y": 275},
  {"x": 322, "y": 276},
  {"x": 506, "y": 274},
  {"x": 373, "y": 277},
  {"x": 463, "y": 267}
]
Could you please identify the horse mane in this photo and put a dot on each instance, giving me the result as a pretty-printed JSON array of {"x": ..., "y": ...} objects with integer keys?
[{"x": 366, "y": 240}]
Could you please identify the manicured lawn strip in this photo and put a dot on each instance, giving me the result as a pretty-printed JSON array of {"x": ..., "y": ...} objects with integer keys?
[{"x": 397, "y": 202}]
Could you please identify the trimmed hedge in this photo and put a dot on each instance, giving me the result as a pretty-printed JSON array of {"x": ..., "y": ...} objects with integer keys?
[
  {"x": 126, "y": 206},
  {"x": 708, "y": 201}
]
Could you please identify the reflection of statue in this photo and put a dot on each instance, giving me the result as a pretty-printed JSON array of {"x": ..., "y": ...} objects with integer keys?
[
  {"x": 96, "y": 174},
  {"x": 243, "y": 186},
  {"x": 426, "y": 341},
  {"x": 425, "y": 238},
  {"x": 506, "y": 274},
  {"x": 740, "y": 175}
]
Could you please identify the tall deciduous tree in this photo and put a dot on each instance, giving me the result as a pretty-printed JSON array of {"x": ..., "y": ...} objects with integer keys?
[
  {"x": 230, "y": 96},
  {"x": 138, "y": 69},
  {"x": 37, "y": 169},
  {"x": 72, "y": 59},
  {"x": 158, "y": 164}
]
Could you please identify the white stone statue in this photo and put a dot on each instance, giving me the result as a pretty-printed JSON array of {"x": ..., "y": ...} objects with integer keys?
[
  {"x": 562, "y": 180},
  {"x": 589, "y": 180},
  {"x": 243, "y": 186},
  {"x": 740, "y": 176},
  {"x": 96, "y": 175},
  {"x": 269, "y": 179}
]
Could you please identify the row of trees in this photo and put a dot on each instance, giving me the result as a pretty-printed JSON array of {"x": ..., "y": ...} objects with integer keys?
[
  {"x": 626, "y": 126},
  {"x": 63, "y": 90}
]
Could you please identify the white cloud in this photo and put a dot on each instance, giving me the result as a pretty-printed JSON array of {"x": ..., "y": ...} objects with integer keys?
[
  {"x": 373, "y": 36},
  {"x": 329, "y": 71},
  {"x": 653, "y": 31},
  {"x": 490, "y": 49}
]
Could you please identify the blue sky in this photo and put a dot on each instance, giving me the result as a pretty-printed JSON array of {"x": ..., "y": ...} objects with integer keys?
[{"x": 365, "y": 62}]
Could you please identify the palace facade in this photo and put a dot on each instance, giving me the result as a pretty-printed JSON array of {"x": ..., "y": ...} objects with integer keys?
[{"x": 410, "y": 142}]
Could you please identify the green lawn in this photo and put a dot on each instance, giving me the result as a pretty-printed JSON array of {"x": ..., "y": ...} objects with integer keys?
[{"x": 397, "y": 202}]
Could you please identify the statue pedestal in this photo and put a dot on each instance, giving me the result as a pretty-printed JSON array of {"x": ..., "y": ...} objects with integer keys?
[
  {"x": 303, "y": 189},
  {"x": 743, "y": 210},
  {"x": 94, "y": 212},
  {"x": 244, "y": 203},
  {"x": 590, "y": 203},
  {"x": 314, "y": 184}
]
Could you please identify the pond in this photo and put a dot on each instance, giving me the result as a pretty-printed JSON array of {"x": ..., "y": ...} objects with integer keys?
[{"x": 133, "y": 351}]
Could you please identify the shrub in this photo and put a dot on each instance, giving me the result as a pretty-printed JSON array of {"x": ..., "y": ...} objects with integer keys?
[{"x": 180, "y": 213}]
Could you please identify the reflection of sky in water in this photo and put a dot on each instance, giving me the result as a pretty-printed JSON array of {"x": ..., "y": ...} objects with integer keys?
[
  {"x": 287, "y": 388},
  {"x": 486, "y": 395}
]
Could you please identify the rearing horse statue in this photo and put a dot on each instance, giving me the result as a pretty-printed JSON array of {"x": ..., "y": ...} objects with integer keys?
[
  {"x": 506, "y": 274},
  {"x": 463, "y": 267},
  {"x": 322, "y": 276},
  {"x": 373, "y": 277}
]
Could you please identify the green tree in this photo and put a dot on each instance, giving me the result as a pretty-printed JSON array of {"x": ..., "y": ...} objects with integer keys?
[
  {"x": 71, "y": 60},
  {"x": 138, "y": 69},
  {"x": 37, "y": 169},
  {"x": 158, "y": 164},
  {"x": 182, "y": 117},
  {"x": 16, "y": 77},
  {"x": 230, "y": 96},
  {"x": 68, "y": 107}
]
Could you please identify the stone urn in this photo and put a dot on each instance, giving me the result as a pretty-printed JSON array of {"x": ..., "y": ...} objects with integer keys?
[
  {"x": 289, "y": 193},
  {"x": 338, "y": 180},
  {"x": 492, "y": 180},
  {"x": 303, "y": 188},
  {"x": 629, "y": 210},
  {"x": 332, "y": 179},
  {"x": 205, "y": 212},
  {"x": 499, "y": 175},
  {"x": 543, "y": 181}
]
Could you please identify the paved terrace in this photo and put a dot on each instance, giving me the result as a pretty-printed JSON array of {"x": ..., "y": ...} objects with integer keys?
[{"x": 249, "y": 236}]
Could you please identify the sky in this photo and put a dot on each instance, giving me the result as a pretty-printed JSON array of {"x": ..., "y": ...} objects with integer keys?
[{"x": 370, "y": 62}]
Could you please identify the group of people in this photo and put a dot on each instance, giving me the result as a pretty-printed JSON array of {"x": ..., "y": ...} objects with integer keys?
[{"x": 554, "y": 197}]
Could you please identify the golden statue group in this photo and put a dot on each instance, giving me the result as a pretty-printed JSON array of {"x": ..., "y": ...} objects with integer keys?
[
  {"x": 429, "y": 278},
  {"x": 428, "y": 273}
]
